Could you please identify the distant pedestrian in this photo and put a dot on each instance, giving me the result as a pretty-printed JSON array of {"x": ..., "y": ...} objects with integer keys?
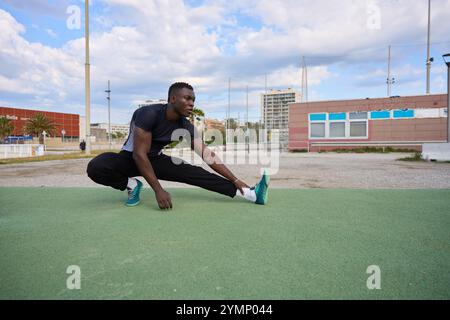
[{"x": 83, "y": 145}]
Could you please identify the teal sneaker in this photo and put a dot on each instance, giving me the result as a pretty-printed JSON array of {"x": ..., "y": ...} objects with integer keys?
[
  {"x": 133, "y": 195},
  {"x": 262, "y": 190}
]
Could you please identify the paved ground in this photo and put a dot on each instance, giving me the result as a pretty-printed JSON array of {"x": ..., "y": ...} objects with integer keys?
[
  {"x": 330, "y": 170},
  {"x": 305, "y": 244}
]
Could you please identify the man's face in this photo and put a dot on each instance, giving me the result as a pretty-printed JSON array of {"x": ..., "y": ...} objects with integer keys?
[{"x": 183, "y": 100}]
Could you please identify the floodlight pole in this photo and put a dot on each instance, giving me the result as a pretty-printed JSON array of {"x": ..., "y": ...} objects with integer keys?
[
  {"x": 109, "y": 113},
  {"x": 228, "y": 113},
  {"x": 448, "y": 102},
  {"x": 87, "y": 81},
  {"x": 447, "y": 62},
  {"x": 246, "y": 129},
  {"x": 429, "y": 60}
]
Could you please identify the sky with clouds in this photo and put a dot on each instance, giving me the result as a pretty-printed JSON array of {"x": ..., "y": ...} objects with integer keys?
[{"x": 142, "y": 46}]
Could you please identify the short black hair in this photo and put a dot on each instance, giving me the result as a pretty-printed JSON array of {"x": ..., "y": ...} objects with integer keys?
[{"x": 178, "y": 86}]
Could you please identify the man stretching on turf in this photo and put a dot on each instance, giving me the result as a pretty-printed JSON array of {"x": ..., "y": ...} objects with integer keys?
[{"x": 151, "y": 129}]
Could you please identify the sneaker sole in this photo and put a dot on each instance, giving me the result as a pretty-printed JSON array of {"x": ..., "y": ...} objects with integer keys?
[
  {"x": 140, "y": 185},
  {"x": 132, "y": 205}
]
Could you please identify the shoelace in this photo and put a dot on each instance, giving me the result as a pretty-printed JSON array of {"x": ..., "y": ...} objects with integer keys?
[{"x": 130, "y": 193}]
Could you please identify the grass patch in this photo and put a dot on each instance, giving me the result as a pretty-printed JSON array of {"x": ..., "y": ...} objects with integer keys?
[
  {"x": 67, "y": 156},
  {"x": 299, "y": 151},
  {"x": 371, "y": 150},
  {"x": 416, "y": 157}
]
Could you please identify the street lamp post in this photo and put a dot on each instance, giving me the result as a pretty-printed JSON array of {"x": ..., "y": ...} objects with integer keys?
[
  {"x": 87, "y": 74},
  {"x": 429, "y": 59},
  {"x": 440, "y": 151},
  {"x": 447, "y": 62},
  {"x": 109, "y": 113},
  {"x": 44, "y": 134}
]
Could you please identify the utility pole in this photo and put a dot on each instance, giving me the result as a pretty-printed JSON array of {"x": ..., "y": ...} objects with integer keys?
[
  {"x": 228, "y": 112},
  {"x": 447, "y": 62},
  {"x": 265, "y": 103},
  {"x": 304, "y": 81},
  {"x": 429, "y": 59},
  {"x": 109, "y": 114},
  {"x": 246, "y": 128},
  {"x": 247, "y": 111},
  {"x": 265, "y": 113},
  {"x": 87, "y": 72},
  {"x": 389, "y": 80}
]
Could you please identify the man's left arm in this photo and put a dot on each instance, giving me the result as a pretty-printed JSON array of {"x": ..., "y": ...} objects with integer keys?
[{"x": 214, "y": 162}]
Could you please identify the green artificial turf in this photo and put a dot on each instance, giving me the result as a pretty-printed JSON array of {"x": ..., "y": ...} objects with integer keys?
[{"x": 306, "y": 244}]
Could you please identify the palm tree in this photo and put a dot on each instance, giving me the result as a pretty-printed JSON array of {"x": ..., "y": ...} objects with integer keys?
[
  {"x": 196, "y": 113},
  {"x": 6, "y": 128},
  {"x": 39, "y": 123}
]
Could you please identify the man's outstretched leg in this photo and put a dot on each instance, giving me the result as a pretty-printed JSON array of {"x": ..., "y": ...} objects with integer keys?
[{"x": 174, "y": 169}]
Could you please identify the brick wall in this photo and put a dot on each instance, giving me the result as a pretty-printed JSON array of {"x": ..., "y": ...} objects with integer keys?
[
  {"x": 69, "y": 122},
  {"x": 393, "y": 130}
]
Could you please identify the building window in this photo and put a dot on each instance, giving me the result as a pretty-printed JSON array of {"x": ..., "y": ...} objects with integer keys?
[
  {"x": 358, "y": 115},
  {"x": 352, "y": 125},
  {"x": 337, "y": 129},
  {"x": 358, "y": 129},
  {"x": 317, "y": 130}
]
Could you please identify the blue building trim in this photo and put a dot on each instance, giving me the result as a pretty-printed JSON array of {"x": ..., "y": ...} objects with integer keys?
[
  {"x": 337, "y": 116},
  {"x": 318, "y": 117},
  {"x": 401, "y": 114},
  {"x": 380, "y": 114}
]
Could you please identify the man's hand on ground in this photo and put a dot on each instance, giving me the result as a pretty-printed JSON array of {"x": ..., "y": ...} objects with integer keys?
[
  {"x": 164, "y": 200},
  {"x": 240, "y": 185}
]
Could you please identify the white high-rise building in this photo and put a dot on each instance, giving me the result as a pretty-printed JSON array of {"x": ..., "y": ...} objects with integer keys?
[
  {"x": 275, "y": 111},
  {"x": 122, "y": 128},
  {"x": 150, "y": 102}
]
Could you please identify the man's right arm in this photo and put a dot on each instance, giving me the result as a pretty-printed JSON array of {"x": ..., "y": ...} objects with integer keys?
[{"x": 141, "y": 148}]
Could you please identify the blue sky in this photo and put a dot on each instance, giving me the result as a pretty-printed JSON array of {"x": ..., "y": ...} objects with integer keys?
[{"x": 143, "y": 46}]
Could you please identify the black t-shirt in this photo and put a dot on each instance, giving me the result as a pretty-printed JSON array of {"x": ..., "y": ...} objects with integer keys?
[{"x": 153, "y": 119}]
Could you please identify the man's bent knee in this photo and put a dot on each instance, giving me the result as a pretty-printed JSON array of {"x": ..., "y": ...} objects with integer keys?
[
  {"x": 92, "y": 168},
  {"x": 96, "y": 167}
]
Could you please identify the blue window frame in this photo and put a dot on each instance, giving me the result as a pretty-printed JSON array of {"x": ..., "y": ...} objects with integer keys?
[
  {"x": 337, "y": 116},
  {"x": 403, "y": 114},
  {"x": 380, "y": 114},
  {"x": 318, "y": 117}
]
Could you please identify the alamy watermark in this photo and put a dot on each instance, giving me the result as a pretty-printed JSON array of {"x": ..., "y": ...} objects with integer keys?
[
  {"x": 373, "y": 15},
  {"x": 73, "y": 22},
  {"x": 374, "y": 280},
  {"x": 73, "y": 282},
  {"x": 242, "y": 147}
]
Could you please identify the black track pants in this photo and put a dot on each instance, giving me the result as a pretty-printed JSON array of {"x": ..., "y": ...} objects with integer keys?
[{"x": 114, "y": 169}]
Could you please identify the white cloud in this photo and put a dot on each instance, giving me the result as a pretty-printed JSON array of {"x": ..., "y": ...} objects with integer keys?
[
  {"x": 37, "y": 70},
  {"x": 51, "y": 33}
]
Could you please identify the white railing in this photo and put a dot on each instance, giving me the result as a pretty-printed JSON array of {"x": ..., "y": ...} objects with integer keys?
[{"x": 21, "y": 150}]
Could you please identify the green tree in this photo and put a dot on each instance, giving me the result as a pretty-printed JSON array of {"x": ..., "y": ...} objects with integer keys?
[
  {"x": 39, "y": 123},
  {"x": 6, "y": 128},
  {"x": 196, "y": 113},
  {"x": 119, "y": 135},
  {"x": 232, "y": 124}
]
